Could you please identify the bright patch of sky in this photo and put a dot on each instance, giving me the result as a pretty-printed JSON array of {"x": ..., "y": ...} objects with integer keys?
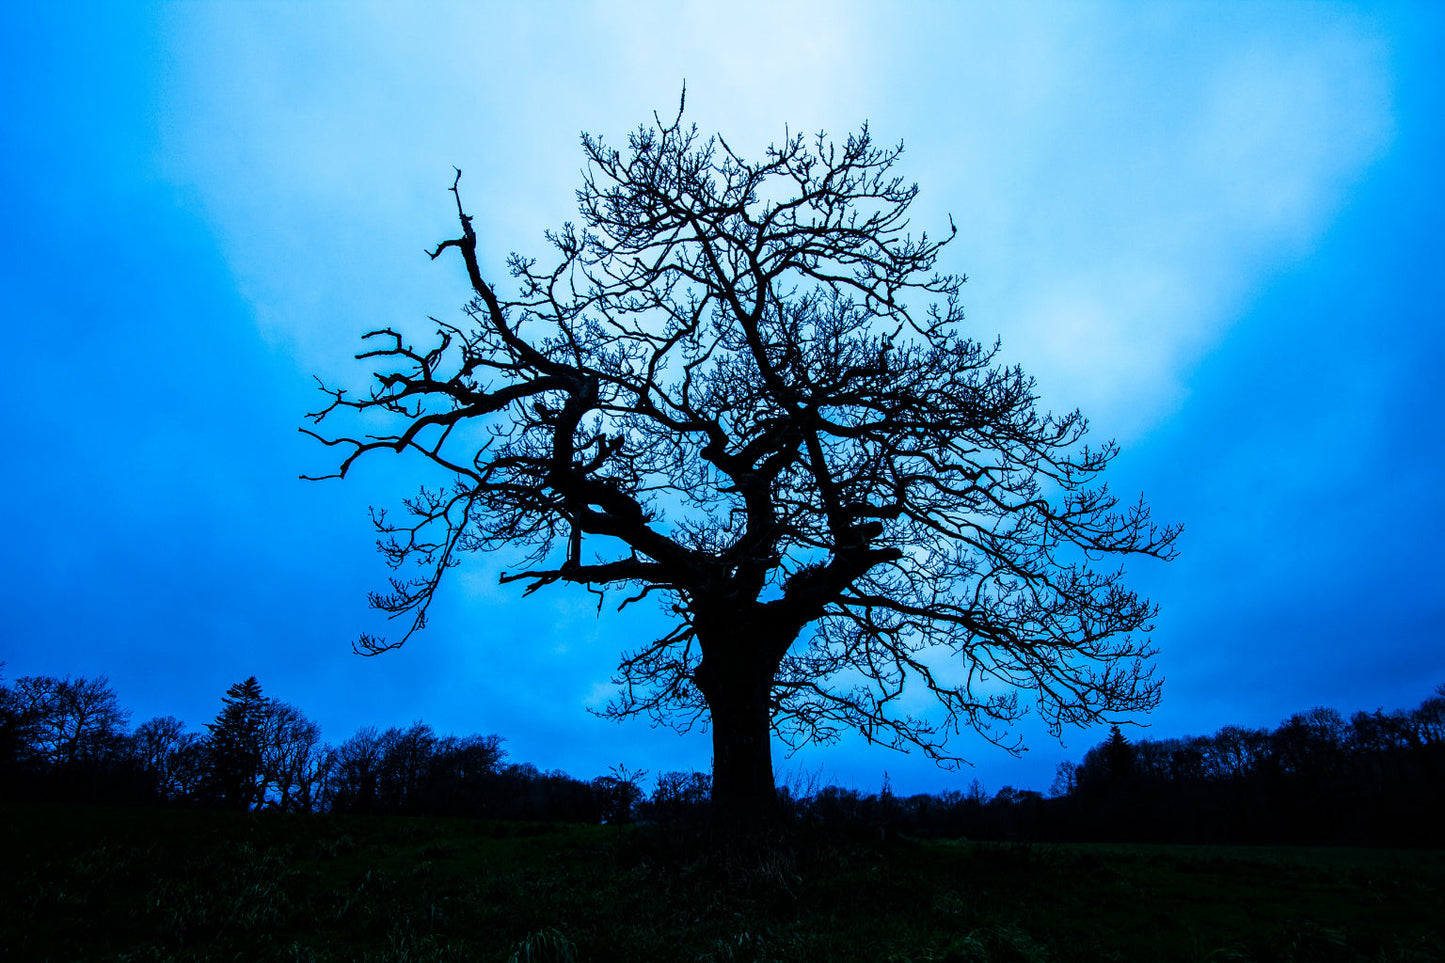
[{"x": 1123, "y": 180}]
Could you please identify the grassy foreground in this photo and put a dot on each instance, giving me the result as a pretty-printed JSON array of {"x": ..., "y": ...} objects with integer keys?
[{"x": 83, "y": 883}]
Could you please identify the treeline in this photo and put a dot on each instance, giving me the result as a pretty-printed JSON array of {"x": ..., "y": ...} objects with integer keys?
[
  {"x": 67, "y": 740},
  {"x": 1376, "y": 778}
]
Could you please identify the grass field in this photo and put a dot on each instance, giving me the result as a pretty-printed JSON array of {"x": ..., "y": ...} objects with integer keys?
[{"x": 85, "y": 883}]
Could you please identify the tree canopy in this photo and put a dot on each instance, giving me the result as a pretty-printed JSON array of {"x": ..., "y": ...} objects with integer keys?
[{"x": 744, "y": 387}]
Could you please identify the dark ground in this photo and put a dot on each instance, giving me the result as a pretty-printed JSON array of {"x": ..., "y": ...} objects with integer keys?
[{"x": 96, "y": 883}]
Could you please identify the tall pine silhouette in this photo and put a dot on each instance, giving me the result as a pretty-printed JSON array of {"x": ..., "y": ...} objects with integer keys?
[{"x": 235, "y": 744}]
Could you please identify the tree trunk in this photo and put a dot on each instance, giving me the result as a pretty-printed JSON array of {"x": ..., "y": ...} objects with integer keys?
[
  {"x": 743, "y": 794},
  {"x": 736, "y": 678}
]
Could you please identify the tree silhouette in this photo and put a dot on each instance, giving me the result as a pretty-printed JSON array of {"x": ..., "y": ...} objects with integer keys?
[
  {"x": 175, "y": 758},
  {"x": 742, "y": 387},
  {"x": 354, "y": 777},
  {"x": 67, "y": 723},
  {"x": 292, "y": 757},
  {"x": 1119, "y": 757},
  {"x": 234, "y": 748}
]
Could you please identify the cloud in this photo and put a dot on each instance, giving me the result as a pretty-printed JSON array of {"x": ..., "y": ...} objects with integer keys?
[
  {"x": 1122, "y": 180},
  {"x": 319, "y": 140},
  {"x": 1125, "y": 182}
]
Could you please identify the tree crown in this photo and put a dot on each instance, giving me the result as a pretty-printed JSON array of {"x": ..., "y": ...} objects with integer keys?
[{"x": 743, "y": 385}]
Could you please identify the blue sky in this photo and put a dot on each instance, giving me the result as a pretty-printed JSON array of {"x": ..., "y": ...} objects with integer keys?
[{"x": 1214, "y": 227}]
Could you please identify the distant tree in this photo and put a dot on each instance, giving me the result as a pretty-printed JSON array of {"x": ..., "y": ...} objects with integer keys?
[
  {"x": 1109, "y": 767},
  {"x": 1234, "y": 754},
  {"x": 1309, "y": 746},
  {"x": 405, "y": 762},
  {"x": 1119, "y": 757},
  {"x": 723, "y": 391},
  {"x": 678, "y": 794},
  {"x": 462, "y": 775},
  {"x": 12, "y": 723},
  {"x": 234, "y": 747},
  {"x": 1167, "y": 760},
  {"x": 618, "y": 793},
  {"x": 354, "y": 777},
  {"x": 1428, "y": 721},
  {"x": 1066, "y": 779},
  {"x": 65, "y": 723},
  {"x": 175, "y": 758},
  {"x": 834, "y": 804},
  {"x": 1009, "y": 796},
  {"x": 16, "y": 731},
  {"x": 292, "y": 758},
  {"x": 469, "y": 757}
]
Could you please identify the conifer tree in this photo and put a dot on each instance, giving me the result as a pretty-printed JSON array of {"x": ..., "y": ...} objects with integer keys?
[
  {"x": 1119, "y": 757},
  {"x": 235, "y": 747}
]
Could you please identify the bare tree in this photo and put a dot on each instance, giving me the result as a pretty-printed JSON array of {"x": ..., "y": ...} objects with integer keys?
[
  {"x": 176, "y": 758},
  {"x": 461, "y": 775},
  {"x": 743, "y": 387},
  {"x": 678, "y": 793},
  {"x": 353, "y": 776},
  {"x": 68, "y": 722},
  {"x": 292, "y": 757},
  {"x": 406, "y": 757},
  {"x": 1066, "y": 779}
]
